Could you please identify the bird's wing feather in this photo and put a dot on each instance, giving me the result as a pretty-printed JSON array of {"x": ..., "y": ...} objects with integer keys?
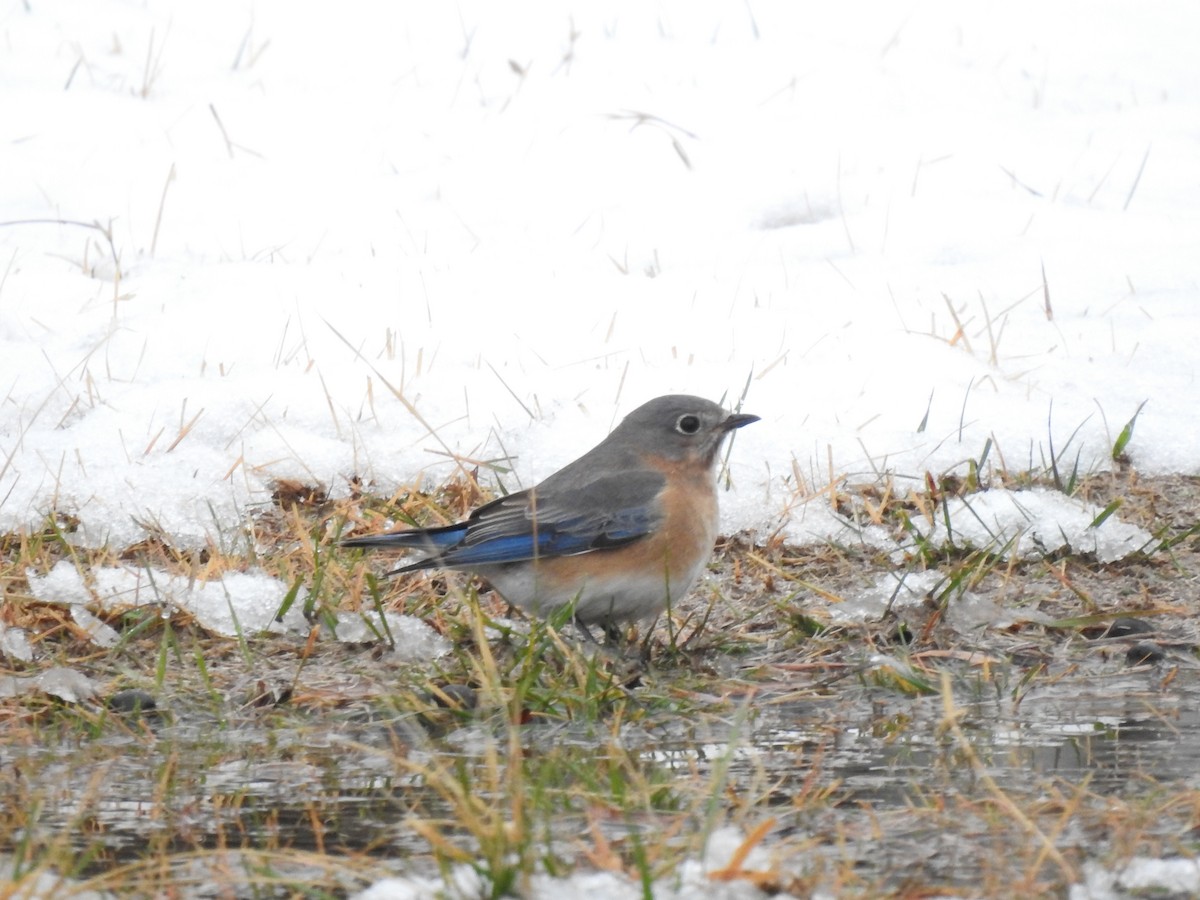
[
  {"x": 431, "y": 540},
  {"x": 605, "y": 512}
]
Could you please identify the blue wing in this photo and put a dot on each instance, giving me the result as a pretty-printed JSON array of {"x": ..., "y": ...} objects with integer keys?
[{"x": 605, "y": 513}]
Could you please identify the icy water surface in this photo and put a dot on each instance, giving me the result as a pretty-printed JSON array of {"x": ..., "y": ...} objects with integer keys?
[{"x": 857, "y": 776}]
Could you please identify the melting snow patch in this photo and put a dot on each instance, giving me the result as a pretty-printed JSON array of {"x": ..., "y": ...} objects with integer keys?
[
  {"x": 692, "y": 881},
  {"x": 14, "y": 643},
  {"x": 898, "y": 591},
  {"x": 246, "y": 602},
  {"x": 895, "y": 592},
  {"x": 45, "y": 884},
  {"x": 1032, "y": 523},
  {"x": 970, "y": 612},
  {"x": 1176, "y": 877},
  {"x": 237, "y": 601},
  {"x": 413, "y": 639},
  {"x": 815, "y": 523},
  {"x": 99, "y": 633},
  {"x": 68, "y": 685}
]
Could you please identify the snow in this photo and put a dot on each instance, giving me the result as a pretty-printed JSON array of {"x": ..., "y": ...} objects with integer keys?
[
  {"x": 14, "y": 643},
  {"x": 42, "y": 884},
  {"x": 527, "y": 225},
  {"x": 1140, "y": 876},
  {"x": 412, "y": 639},
  {"x": 68, "y": 685},
  {"x": 898, "y": 592},
  {"x": 235, "y": 603},
  {"x": 694, "y": 879},
  {"x": 1033, "y": 523}
]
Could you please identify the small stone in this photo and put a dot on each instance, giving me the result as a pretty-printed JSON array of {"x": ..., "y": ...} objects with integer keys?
[
  {"x": 1144, "y": 653},
  {"x": 1127, "y": 627},
  {"x": 132, "y": 701},
  {"x": 454, "y": 696}
]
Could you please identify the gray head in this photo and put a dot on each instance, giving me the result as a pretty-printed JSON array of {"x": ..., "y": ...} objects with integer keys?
[{"x": 678, "y": 427}]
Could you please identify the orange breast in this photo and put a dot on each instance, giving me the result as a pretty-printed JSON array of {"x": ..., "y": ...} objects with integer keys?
[{"x": 634, "y": 581}]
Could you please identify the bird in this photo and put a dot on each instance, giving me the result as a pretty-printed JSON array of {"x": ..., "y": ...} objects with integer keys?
[{"x": 619, "y": 534}]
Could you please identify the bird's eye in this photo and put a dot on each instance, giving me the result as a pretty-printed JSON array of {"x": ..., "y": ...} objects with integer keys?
[{"x": 687, "y": 424}]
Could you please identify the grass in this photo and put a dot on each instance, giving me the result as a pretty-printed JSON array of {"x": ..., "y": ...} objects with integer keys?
[{"x": 294, "y": 765}]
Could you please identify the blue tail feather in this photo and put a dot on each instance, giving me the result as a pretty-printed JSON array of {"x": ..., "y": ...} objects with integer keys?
[{"x": 431, "y": 539}]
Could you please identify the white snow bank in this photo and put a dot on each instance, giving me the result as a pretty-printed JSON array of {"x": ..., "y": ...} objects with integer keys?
[
  {"x": 237, "y": 602},
  {"x": 529, "y": 225},
  {"x": 1032, "y": 523}
]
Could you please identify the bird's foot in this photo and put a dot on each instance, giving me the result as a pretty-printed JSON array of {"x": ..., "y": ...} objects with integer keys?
[{"x": 614, "y": 634}]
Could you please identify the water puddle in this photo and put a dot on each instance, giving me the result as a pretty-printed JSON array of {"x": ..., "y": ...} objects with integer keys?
[{"x": 866, "y": 778}]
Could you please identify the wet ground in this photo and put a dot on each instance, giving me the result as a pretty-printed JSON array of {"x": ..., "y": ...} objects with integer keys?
[
  {"x": 903, "y": 756},
  {"x": 858, "y": 778}
]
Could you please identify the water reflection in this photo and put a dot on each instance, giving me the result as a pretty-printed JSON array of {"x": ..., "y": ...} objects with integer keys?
[{"x": 335, "y": 782}]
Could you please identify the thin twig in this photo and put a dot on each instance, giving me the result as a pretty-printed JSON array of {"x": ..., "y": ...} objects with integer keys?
[
  {"x": 1046, "y": 295},
  {"x": 1137, "y": 178},
  {"x": 162, "y": 202}
]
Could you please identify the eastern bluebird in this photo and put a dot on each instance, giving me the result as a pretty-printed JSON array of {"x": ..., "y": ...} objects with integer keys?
[{"x": 621, "y": 532}]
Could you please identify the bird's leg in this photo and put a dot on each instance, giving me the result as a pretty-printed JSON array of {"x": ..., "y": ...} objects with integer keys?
[
  {"x": 613, "y": 633},
  {"x": 579, "y": 623}
]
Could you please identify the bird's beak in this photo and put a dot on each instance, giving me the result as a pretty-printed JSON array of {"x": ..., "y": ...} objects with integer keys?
[{"x": 737, "y": 420}]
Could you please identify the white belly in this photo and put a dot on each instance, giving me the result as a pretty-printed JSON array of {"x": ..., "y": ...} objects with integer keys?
[{"x": 599, "y": 598}]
